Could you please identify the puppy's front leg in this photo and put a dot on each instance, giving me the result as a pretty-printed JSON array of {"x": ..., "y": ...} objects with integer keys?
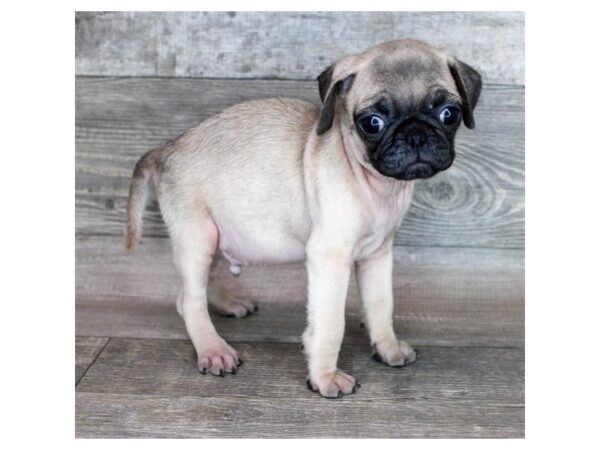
[
  {"x": 374, "y": 277},
  {"x": 328, "y": 276}
]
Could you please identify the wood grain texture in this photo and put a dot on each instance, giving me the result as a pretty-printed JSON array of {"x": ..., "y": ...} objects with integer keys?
[
  {"x": 151, "y": 388},
  {"x": 478, "y": 202},
  {"x": 86, "y": 350},
  {"x": 449, "y": 296},
  {"x": 168, "y": 367},
  {"x": 296, "y": 45},
  {"x": 127, "y": 416}
]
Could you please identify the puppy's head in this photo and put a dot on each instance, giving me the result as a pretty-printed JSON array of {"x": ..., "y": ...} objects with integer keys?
[{"x": 398, "y": 105}]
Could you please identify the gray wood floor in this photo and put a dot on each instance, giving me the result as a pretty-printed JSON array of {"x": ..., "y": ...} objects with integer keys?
[
  {"x": 151, "y": 388},
  {"x": 136, "y": 375}
]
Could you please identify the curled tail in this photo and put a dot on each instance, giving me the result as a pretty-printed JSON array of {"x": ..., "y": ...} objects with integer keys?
[{"x": 144, "y": 170}]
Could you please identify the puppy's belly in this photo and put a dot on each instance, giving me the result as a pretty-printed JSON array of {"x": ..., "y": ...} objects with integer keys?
[{"x": 265, "y": 246}]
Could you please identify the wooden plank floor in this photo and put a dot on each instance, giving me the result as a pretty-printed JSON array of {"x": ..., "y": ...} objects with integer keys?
[
  {"x": 151, "y": 388},
  {"x": 136, "y": 375}
]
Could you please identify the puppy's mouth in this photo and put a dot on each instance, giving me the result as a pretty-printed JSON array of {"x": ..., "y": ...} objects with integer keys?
[
  {"x": 418, "y": 170},
  {"x": 414, "y": 171}
]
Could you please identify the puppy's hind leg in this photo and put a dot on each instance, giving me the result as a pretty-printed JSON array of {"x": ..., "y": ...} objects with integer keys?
[
  {"x": 222, "y": 301},
  {"x": 226, "y": 304},
  {"x": 194, "y": 243}
]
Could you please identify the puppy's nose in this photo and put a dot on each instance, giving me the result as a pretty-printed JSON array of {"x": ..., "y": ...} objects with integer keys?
[{"x": 415, "y": 138}]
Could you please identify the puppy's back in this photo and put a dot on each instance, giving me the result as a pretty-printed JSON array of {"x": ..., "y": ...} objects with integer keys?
[
  {"x": 243, "y": 164},
  {"x": 267, "y": 133}
]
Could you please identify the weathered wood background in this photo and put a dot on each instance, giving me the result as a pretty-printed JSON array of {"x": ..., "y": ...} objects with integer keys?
[
  {"x": 143, "y": 78},
  {"x": 287, "y": 45}
]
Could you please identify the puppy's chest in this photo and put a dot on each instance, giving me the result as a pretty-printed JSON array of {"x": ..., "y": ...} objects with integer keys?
[{"x": 380, "y": 225}]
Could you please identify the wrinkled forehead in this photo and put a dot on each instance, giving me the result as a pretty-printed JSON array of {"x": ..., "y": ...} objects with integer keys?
[{"x": 405, "y": 78}]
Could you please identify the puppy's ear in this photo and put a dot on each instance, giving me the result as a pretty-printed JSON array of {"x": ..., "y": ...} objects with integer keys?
[
  {"x": 341, "y": 87},
  {"x": 324, "y": 80},
  {"x": 468, "y": 82}
]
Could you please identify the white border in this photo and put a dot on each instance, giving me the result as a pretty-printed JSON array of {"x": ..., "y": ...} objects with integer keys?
[{"x": 561, "y": 238}]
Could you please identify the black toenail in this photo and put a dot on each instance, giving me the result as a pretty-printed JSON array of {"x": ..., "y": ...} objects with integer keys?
[
  {"x": 362, "y": 324},
  {"x": 377, "y": 357},
  {"x": 240, "y": 362},
  {"x": 233, "y": 371},
  {"x": 309, "y": 385},
  {"x": 231, "y": 315},
  {"x": 204, "y": 371},
  {"x": 416, "y": 354},
  {"x": 302, "y": 346},
  {"x": 222, "y": 373},
  {"x": 339, "y": 394},
  {"x": 354, "y": 389},
  {"x": 358, "y": 385},
  {"x": 256, "y": 308}
]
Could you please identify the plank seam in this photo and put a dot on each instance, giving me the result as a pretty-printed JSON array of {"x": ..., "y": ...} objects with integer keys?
[
  {"x": 108, "y": 339},
  {"x": 291, "y": 343},
  {"x": 158, "y": 77}
]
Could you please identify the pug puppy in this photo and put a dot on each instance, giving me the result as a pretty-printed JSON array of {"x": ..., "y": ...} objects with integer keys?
[{"x": 282, "y": 180}]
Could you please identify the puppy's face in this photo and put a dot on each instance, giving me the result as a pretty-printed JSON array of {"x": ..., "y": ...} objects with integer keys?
[
  {"x": 408, "y": 138},
  {"x": 401, "y": 105}
]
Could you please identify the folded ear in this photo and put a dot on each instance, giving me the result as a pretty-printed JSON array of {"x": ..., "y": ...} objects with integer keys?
[
  {"x": 468, "y": 82},
  {"x": 324, "y": 80},
  {"x": 329, "y": 96}
]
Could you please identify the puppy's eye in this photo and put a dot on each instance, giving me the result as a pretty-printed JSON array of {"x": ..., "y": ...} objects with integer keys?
[
  {"x": 372, "y": 125},
  {"x": 449, "y": 115}
]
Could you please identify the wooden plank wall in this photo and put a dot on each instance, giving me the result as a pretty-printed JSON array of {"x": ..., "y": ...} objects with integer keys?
[
  {"x": 478, "y": 202},
  {"x": 463, "y": 238},
  {"x": 285, "y": 45}
]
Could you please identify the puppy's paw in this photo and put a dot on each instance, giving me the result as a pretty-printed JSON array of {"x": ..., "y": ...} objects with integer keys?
[
  {"x": 394, "y": 352},
  {"x": 235, "y": 307},
  {"x": 333, "y": 385},
  {"x": 218, "y": 359}
]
